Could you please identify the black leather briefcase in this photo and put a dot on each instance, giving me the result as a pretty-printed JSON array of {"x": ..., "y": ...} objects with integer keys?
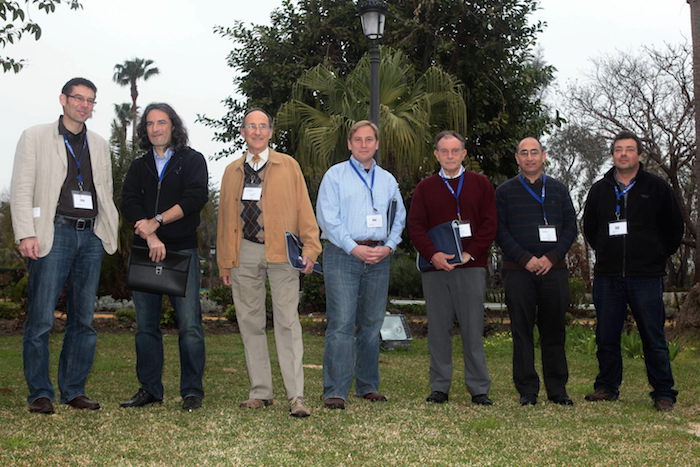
[{"x": 165, "y": 277}]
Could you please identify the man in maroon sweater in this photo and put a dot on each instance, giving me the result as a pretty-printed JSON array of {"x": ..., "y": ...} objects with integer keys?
[{"x": 455, "y": 290}]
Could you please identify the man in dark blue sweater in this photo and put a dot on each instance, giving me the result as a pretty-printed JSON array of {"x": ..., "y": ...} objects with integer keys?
[{"x": 536, "y": 227}]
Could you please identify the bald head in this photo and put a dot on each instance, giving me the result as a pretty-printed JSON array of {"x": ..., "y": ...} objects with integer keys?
[{"x": 530, "y": 158}]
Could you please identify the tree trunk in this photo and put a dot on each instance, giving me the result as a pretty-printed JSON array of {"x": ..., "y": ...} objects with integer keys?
[{"x": 695, "y": 34}]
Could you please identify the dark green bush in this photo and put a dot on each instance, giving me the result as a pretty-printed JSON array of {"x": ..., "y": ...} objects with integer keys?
[
  {"x": 404, "y": 279},
  {"x": 221, "y": 295},
  {"x": 10, "y": 310},
  {"x": 577, "y": 291},
  {"x": 167, "y": 318},
  {"x": 127, "y": 315},
  {"x": 313, "y": 294},
  {"x": 230, "y": 313}
]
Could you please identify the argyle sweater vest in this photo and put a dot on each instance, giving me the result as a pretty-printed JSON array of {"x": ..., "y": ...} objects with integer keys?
[{"x": 251, "y": 211}]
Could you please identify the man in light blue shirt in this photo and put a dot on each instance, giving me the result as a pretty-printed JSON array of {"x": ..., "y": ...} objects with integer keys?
[{"x": 361, "y": 215}]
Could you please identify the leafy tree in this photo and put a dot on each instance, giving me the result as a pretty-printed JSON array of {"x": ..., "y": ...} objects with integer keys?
[
  {"x": 413, "y": 106},
  {"x": 650, "y": 94},
  {"x": 17, "y": 22},
  {"x": 127, "y": 74},
  {"x": 486, "y": 44}
]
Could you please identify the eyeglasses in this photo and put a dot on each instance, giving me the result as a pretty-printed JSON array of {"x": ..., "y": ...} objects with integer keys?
[
  {"x": 253, "y": 126},
  {"x": 531, "y": 152},
  {"x": 83, "y": 99}
]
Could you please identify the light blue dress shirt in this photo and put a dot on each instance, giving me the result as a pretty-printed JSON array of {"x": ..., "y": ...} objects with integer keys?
[
  {"x": 161, "y": 162},
  {"x": 344, "y": 202}
]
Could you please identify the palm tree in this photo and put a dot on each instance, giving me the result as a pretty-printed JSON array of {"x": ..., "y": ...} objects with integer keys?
[
  {"x": 413, "y": 107},
  {"x": 127, "y": 74},
  {"x": 122, "y": 118}
]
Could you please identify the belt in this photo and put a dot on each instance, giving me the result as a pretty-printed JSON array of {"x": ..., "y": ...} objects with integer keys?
[
  {"x": 369, "y": 242},
  {"x": 77, "y": 223}
]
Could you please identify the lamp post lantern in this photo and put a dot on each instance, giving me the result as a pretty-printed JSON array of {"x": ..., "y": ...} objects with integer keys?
[{"x": 373, "y": 13}]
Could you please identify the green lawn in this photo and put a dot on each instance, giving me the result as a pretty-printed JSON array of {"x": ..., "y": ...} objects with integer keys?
[{"x": 404, "y": 431}]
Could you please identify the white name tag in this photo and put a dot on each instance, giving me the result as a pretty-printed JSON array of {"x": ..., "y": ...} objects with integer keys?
[
  {"x": 36, "y": 212},
  {"x": 252, "y": 193},
  {"x": 617, "y": 228},
  {"x": 548, "y": 233},
  {"x": 82, "y": 199},
  {"x": 374, "y": 220},
  {"x": 465, "y": 230}
]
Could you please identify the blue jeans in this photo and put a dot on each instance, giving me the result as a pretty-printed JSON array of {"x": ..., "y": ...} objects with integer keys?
[
  {"x": 75, "y": 260},
  {"x": 611, "y": 295},
  {"x": 149, "y": 339},
  {"x": 356, "y": 295}
]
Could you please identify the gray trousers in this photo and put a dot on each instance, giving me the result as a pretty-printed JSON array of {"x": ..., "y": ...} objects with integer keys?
[{"x": 456, "y": 294}]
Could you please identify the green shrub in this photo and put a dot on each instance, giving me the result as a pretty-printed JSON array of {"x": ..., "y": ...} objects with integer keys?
[
  {"x": 230, "y": 313},
  {"x": 577, "y": 291},
  {"x": 167, "y": 318},
  {"x": 10, "y": 310},
  {"x": 496, "y": 295},
  {"x": 220, "y": 295},
  {"x": 404, "y": 278},
  {"x": 632, "y": 344},
  {"x": 313, "y": 294},
  {"x": 581, "y": 339},
  {"x": 674, "y": 348},
  {"x": 18, "y": 292},
  {"x": 127, "y": 315},
  {"x": 410, "y": 309}
]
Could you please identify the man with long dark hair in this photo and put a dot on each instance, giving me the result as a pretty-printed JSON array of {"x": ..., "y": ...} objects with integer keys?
[{"x": 163, "y": 193}]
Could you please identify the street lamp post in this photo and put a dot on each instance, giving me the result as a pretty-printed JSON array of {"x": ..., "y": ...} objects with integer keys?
[{"x": 373, "y": 13}]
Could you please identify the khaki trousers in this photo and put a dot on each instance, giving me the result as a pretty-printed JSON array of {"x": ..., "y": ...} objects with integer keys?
[{"x": 248, "y": 287}]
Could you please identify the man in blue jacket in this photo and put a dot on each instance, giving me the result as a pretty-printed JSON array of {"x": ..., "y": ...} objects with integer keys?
[
  {"x": 163, "y": 193},
  {"x": 633, "y": 222}
]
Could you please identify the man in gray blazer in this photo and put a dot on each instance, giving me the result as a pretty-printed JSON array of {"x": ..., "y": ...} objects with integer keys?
[{"x": 64, "y": 219}]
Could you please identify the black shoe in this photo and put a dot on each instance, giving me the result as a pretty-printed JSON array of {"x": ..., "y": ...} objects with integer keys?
[
  {"x": 190, "y": 403},
  {"x": 663, "y": 405},
  {"x": 600, "y": 395},
  {"x": 561, "y": 400},
  {"x": 437, "y": 397},
  {"x": 528, "y": 399},
  {"x": 481, "y": 399},
  {"x": 140, "y": 399}
]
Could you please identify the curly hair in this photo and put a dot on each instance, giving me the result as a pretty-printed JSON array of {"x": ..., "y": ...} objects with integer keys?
[{"x": 179, "y": 136}]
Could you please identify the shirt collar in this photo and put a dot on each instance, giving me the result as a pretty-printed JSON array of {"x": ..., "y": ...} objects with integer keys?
[
  {"x": 264, "y": 156},
  {"x": 168, "y": 154},
  {"x": 459, "y": 173},
  {"x": 359, "y": 166},
  {"x": 62, "y": 130}
]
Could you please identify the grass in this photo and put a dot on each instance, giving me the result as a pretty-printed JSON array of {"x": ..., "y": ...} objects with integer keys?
[{"x": 404, "y": 431}]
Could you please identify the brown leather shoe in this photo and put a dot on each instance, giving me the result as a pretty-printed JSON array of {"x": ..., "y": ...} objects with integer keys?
[
  {"x": 41, "y": 405},
  {"x": 374, "y": 397},
  {"x": 255, "y": 403},
  {"x": 663, "y": 405},
  {"x": 600, "y": 395},
  {"x": 83, "y": 403},
  {"x": 334, "y": 403}
]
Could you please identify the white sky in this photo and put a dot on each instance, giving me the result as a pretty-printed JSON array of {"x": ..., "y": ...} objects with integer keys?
[{"x": 194, "y": 78}]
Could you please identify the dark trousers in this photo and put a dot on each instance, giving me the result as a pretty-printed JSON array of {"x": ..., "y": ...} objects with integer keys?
[
  {"x": 541, "y": 300},
  {"x": 611, "y": 295}
]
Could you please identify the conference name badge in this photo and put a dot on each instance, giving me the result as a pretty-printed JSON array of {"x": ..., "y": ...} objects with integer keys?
[
  {"x": 617, "y": 228},
  {"x": 548, "y": 233},
  {"x": 465, "y": 230},
  {"x": 374, "y": 220},
  {"x": 251, "y": 192},
  {"x": 82, "y": 199}
]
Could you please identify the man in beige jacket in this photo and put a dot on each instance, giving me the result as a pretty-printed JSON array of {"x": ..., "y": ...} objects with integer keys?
[
  {"x": 263, "y": 195},
  {"x": 64, "y": 219}
]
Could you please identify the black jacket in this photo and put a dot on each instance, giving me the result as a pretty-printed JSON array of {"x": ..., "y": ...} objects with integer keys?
[
  {"x": 184, "y": 183},
  {"x": 654, "y": 226}
]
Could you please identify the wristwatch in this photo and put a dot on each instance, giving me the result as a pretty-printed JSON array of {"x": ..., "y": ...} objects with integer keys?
[{"x": 159, "y": 219}]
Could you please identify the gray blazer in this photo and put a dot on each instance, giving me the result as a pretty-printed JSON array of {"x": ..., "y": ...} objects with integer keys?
[{"x": 39, "y": 171}]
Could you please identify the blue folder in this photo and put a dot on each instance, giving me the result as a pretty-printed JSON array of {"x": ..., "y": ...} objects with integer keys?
[
  {"x": 294, "y": 249},
  {"x": 445, "y": 238}
]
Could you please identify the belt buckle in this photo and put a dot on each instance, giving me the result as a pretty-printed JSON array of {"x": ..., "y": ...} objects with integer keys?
[{"x": 80, "y": 224}]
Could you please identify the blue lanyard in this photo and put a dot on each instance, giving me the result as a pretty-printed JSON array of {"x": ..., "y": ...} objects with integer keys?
[
  {"x": 369, "y": 187},
  {"x": 162, "y": 172},
  {"x": 540, "y": 198},
  {"x": 76, "y": 159},
  {"x": 619, "y": 195},
  {"x": 452, "y": 192}
]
